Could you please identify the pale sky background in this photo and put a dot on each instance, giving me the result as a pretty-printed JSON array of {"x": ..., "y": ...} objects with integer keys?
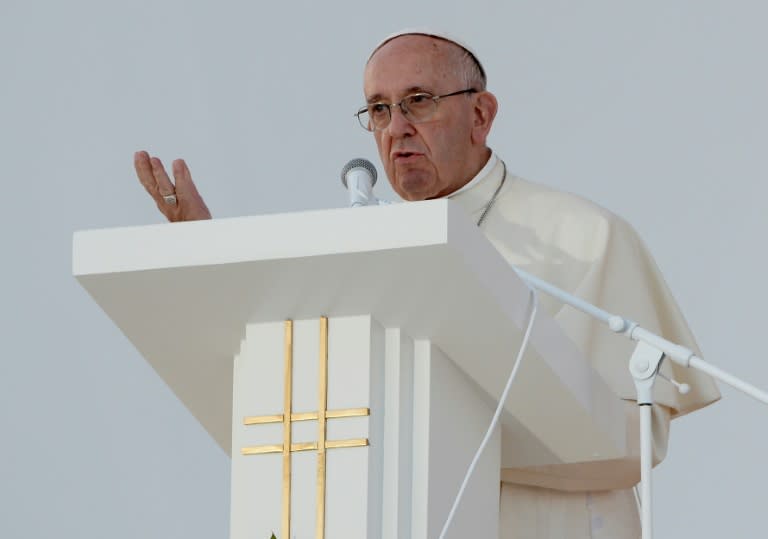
[{"x": 654, "y": 109}]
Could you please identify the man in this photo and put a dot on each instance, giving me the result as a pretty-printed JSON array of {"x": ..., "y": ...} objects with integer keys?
[{"x": 430, "y": 114}]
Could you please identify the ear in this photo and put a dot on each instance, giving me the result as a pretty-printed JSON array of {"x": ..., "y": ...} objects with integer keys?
[{"x": 485, "y": 108}]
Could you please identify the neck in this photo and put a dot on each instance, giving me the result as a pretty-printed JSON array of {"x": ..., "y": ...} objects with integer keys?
[{"x": 474, "y": 167}]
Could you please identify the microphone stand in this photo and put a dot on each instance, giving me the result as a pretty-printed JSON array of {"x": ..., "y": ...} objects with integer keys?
[{"x": 650, "y": 351}]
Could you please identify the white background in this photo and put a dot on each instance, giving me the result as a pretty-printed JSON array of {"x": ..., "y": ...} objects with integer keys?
[{"x": 656, "y": 110}]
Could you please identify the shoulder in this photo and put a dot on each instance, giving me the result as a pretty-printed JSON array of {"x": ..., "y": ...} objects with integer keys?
[
  {"x": 551, "y": 220},
  {"x": 540, "y": 197},
  {"x": 533, "y": 201}
]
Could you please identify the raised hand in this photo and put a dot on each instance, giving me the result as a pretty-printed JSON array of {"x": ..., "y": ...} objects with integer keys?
[{"x": 179, "y": 202}]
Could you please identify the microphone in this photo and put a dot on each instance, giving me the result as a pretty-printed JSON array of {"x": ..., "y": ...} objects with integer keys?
[{"x": 359, "y": 177}]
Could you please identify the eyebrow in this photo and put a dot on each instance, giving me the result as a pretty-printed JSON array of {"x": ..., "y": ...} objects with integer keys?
[{"x": 376, "y": 98}]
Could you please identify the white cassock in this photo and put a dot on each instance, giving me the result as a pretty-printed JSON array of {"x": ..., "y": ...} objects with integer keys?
[{"x": 595, "y": 255}]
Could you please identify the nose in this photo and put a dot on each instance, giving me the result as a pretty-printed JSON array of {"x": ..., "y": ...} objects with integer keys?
[{"x": 399, "y": 125}]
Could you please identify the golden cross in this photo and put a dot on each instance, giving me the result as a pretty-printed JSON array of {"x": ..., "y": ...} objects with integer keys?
[{"x": 288, "y": 417}]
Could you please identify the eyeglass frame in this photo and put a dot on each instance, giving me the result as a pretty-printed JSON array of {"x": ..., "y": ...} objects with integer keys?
[{"x": 404, "y": 109}]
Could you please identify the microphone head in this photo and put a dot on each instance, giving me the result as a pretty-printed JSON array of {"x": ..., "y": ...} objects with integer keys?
[{"x": 358, "y": 163}]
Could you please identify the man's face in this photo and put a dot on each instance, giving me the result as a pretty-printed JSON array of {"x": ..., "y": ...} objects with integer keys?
[{"x": 433, "y": 158}]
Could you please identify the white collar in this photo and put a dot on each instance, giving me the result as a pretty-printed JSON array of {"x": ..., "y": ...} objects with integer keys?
[{"x": 479, "y": 177}]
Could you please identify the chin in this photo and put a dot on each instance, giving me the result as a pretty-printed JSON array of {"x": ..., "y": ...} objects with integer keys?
[
  {"x": 413, "y": 189},
  {"x": 412, "y": 196}
]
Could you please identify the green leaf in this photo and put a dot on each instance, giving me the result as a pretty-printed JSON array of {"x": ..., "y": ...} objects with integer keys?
[{"x": 273, "y": 536}]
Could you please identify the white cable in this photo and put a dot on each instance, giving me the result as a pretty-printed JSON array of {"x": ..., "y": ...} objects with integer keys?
[{"x": 496, "y": 416}]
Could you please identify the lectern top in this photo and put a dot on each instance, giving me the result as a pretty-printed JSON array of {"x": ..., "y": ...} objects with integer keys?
[{"x": 423, "y": 267}]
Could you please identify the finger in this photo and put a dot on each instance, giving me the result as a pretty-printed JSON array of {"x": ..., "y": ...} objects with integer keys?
[
  {"x": 192, "y": 204},
  {"x": 144, "y": 172},
  {"x": 185, "y": 187},
  {"x": 164, "y": 188},
  {"x": 164, "y": 184}
]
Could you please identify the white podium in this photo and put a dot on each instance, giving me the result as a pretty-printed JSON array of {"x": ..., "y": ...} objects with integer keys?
[{"x": 349, "y": 361}]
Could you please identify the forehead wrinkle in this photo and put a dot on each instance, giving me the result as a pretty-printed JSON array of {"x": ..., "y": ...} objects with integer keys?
[{"x": 377, "y": 98}]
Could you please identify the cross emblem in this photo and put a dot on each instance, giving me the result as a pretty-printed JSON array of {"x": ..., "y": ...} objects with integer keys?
[{"x": 288, "y": 417}]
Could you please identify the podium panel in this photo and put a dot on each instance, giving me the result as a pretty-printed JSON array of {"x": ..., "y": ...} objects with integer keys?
[{"x": 341, "y": 428}]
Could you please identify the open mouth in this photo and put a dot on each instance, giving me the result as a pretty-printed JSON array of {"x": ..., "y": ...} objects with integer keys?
[{"x": 402, "y": 156}]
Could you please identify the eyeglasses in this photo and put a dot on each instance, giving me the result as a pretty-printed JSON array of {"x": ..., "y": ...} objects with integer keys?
[{"x": 416, "y": 108}]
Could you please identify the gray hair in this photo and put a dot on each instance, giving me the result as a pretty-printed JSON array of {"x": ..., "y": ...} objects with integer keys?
[{"x": 469, "y": 70}]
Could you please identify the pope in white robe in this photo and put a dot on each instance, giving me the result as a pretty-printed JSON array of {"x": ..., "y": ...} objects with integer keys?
[
  {"x": 595, "y": 255},
  {"x": 561, "y": 238}
]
